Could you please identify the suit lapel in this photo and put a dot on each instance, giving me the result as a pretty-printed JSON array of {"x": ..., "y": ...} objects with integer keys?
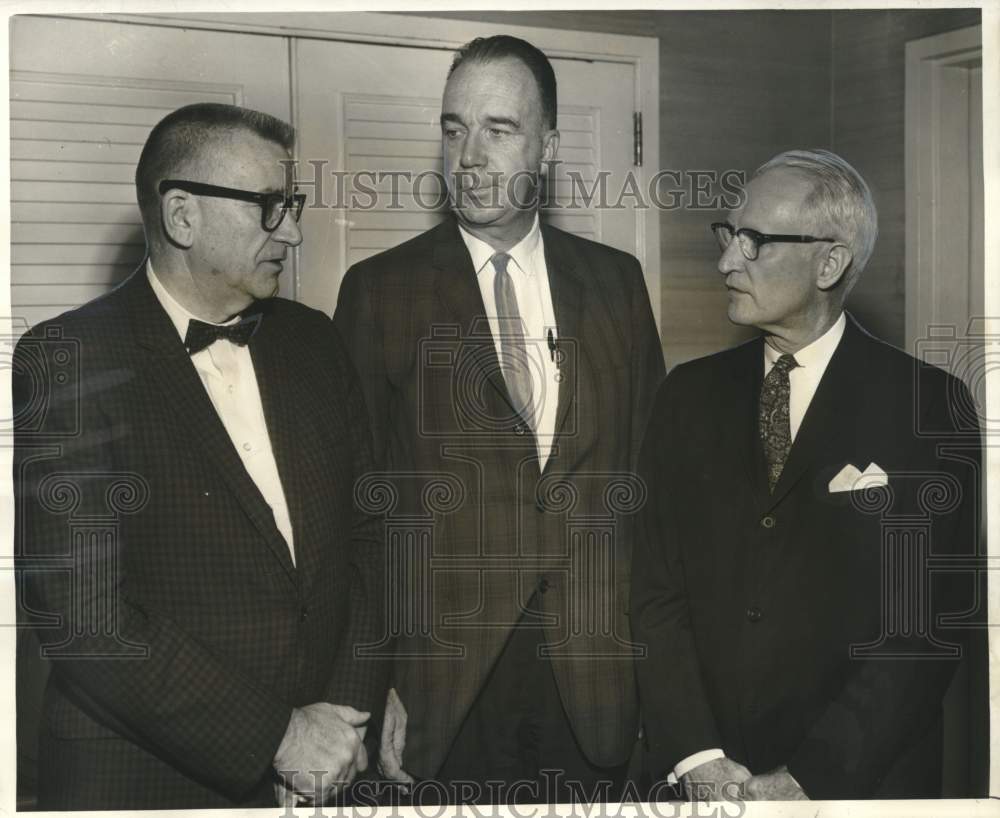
[
  {"x": 567, "y": 290},
  {"x": 458, "y": 288},
  {"x": 284, "y": 398},
  {"x": 824, "y": 418},
  {"x": 747, "y": 376},
  {"x": 170, "y": 367}
]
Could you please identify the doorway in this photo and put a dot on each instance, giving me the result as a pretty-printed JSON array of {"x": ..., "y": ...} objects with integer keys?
[{"x": 945, "y": 311}]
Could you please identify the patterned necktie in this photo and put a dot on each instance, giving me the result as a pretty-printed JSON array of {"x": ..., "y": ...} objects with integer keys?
[
  {"x": 513, "y": 355},
  {"x": 201, "y": 335},
  {"x": 775, "y": 427}
]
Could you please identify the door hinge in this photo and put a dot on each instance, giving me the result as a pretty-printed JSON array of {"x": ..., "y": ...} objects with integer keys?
[{"x": 637, "y": 139}]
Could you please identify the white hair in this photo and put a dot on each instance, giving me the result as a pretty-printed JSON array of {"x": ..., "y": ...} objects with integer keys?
[{"x": 840, "y": 197}]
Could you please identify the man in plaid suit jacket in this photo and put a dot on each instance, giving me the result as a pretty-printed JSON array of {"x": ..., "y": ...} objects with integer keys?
[
  {"x": 514, "y": 653},
  {"x": 197, "y": 571}
]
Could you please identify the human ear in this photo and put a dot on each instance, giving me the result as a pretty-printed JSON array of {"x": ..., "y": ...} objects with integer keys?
[
  {"x": 834, "y": 265},
  {"x": 550, "y": 146},
  {"x": 178, "y": 218}
]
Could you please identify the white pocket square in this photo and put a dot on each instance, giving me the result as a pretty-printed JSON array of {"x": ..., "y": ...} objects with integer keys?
[{"x": 850, "y": 479}]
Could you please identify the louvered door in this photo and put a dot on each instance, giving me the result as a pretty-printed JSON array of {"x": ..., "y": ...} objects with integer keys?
[
  {"x": 84, "y": 95},
  {"x": 375, "y": 108}
]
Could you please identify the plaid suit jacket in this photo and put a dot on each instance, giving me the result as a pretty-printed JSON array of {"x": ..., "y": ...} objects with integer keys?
[
  {"x": 476, "y": 529},
  {"x": 179, "y": 631}
]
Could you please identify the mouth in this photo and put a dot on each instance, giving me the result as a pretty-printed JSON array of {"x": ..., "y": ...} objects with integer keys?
[
  {"x": 485, "y": 198},
  {"x": 477, "y": 190}
]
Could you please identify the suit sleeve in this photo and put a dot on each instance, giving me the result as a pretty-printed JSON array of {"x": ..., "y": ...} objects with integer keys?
[
  {"x": 356, "y": 320},
  {"x": 676, "y": 712},
  {"x": 887, "y": 703},
  {"x": 360, "y": 331},
  {"x": 361, "y": 680},
  {"x": 139, "y": 671}
]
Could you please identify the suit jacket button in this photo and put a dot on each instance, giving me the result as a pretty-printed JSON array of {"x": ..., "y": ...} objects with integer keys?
[
  {"x": 768, "y": 521},
  {"x": 303, "y": 615},
  {"x": 753, "y": 614},
  {"x": 543, "y": 585},
  {"x": 519, "y": 429}
]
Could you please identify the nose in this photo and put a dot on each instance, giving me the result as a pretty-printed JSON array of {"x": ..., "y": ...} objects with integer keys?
[
  {"x": 472, "y": 155},
  {"x": 732, "y": 258},
  {"x": 288, "y": 231}
]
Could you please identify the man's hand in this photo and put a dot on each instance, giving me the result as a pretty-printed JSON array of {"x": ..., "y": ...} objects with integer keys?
[
  {"x": 716, "y": 780},
  {"x": 286, "y": 797},
  {"x": 322, "y": 737},
  {"x": 777, "y": 785},
  {"x": 390, "y": 757}
]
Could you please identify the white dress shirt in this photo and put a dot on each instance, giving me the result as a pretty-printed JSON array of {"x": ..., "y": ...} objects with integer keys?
[
  {"x": 227, "y": 373},
  {"x": 804, "y": 379},
  {"x": 534, "y": 303},
  {"x": 803, "y": 382}
]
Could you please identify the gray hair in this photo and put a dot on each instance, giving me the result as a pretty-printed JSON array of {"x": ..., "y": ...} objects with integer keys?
[{"x": 839, "y": 195}]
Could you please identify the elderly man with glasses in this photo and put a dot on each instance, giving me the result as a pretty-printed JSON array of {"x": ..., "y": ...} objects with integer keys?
[
  {"x": 808, "y": 493},
  {"x": 203, "y": 650}
]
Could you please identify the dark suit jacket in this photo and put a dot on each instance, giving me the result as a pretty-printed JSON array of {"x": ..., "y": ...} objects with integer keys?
[
  {"x": 183, "y": 635},
  {"x": 750, "y": 602},
  {"x": 496, "y": 531}
]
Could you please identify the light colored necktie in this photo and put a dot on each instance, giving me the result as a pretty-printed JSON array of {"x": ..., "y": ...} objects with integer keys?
[
  {"x": 773, "y": 417},
  {"x": 513, "y": 354}
]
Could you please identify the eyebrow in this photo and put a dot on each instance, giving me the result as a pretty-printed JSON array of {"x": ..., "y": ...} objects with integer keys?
[{"x": 510, "y": 122}]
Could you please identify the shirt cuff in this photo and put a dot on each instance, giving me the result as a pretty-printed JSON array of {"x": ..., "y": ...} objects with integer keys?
[{"x": 685, "y": 765}]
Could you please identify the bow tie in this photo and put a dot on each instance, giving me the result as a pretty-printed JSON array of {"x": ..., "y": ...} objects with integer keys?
[{"x": 201, "y": 335}]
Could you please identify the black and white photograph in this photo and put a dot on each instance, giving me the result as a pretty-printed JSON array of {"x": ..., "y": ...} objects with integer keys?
[{"x": 536, "y": 410}]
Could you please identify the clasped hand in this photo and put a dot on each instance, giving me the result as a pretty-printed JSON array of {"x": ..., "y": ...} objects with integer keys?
[
  {"x": 726, "y": 780},
  {"x": 322, "y": 751},
  {"x": 390, "y": 762}
]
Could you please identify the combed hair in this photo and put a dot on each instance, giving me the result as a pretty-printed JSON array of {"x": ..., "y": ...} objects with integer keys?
[
  {"x": 840, "y": 195},
  {"x": 179, "y": 139},
  {"x": 488, "y": 49}
]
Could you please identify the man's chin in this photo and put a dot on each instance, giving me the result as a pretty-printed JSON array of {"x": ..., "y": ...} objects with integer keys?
[
  {"x": 481, "y": 216},
  {"x": 738, "y": 316},
  {"x": 266, "y": 289}
]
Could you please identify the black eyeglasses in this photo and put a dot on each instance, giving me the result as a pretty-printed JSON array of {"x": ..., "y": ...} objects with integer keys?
[
  {"x": 273, "y": 206},
  {"x": 751, "y": 240}
]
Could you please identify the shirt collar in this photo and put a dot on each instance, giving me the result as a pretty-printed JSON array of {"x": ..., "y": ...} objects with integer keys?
[
  {"x": 522, "y": 253},
  {"x": 179, "y": 315},
  {"x": 818, "y": 353}
]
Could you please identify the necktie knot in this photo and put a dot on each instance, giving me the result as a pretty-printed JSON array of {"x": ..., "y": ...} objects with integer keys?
[
  {"x": 500, "y": 262},
  {"x": 786, "y": 363},
  {"x": 201, "y": 335}
]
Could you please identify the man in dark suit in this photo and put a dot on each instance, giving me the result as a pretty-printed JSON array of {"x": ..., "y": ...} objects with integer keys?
[
  {"x": 808, "y": 491},
  {"x": 187, "y": 449},
  {"x": 509, "y": 369}
]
